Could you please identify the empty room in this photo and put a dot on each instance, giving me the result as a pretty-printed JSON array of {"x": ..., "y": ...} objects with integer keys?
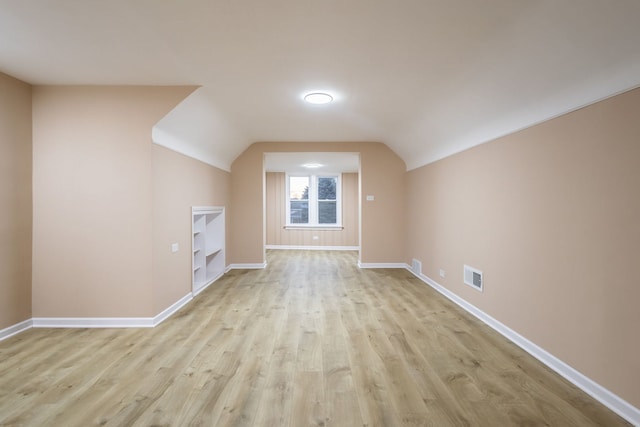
[{"x": 303, "y": 213}]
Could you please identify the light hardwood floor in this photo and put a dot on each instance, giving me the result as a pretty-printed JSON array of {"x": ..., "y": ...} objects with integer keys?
[{"x": 311, "y": 340}]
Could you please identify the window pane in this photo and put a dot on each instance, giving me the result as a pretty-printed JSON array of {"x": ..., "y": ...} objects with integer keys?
[
  {"x": 327, "y": 213},
  {"x": 327, "y": 188},
  {"x": 299, "y": 212},
  {"x": 299, "y": 187}
]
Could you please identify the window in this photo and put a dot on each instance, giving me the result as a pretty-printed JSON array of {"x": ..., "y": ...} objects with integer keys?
[
  {"x": 298, "y": 200},
  {"x": 314, "y": 200}
]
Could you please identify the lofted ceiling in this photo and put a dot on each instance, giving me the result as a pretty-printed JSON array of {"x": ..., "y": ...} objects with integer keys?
[{"x": 428, "y": 78}]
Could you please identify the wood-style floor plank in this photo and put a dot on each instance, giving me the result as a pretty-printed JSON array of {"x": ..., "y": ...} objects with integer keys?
[{"x": 309, "y": 341}]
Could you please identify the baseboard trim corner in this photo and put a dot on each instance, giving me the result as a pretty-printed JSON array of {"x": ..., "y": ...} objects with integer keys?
[
  {"x": 16, "y": 329},
  {"x": 595, "y": 390},
  {"x": 167, "y": 312}
]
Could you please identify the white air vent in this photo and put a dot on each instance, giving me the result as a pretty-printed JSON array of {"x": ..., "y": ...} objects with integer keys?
[
  {"x": 473, "y": 277},
  {"x": 416, "y": 266}
]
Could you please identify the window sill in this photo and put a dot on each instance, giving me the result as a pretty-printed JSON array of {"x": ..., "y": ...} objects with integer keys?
[{"x": 314, "y": 227}]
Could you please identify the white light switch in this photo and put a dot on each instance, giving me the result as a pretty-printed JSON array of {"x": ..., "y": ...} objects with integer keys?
[
  {"x": 370, "y": 198},
  {"x": 174, "y": 247}
]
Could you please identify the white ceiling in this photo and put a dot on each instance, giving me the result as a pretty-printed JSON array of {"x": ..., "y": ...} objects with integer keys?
[{"x": 426, "y": 77}]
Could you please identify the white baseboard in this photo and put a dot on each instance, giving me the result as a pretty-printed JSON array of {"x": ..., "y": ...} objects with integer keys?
[
  {"x": 93, "y": 322},
  {"x": 16, "y": 329},
  {"x": 111, "y": 322},
  {"x": 314, "y": 248},
  {"x": 601, "y": 394},
  {"x": 381, "y": 264},
  {"x": 97, "y": 322},
  {"x": 246, "y": 266},
  {"x": 167, "y": 312}
]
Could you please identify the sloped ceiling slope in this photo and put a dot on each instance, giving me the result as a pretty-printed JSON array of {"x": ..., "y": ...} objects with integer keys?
[{"x": 426, "y": 77}]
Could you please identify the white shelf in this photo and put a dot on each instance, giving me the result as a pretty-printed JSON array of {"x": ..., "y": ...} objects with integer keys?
[
  {"x": 208, "y": 230},
  {"x": 213, "y": 251}
]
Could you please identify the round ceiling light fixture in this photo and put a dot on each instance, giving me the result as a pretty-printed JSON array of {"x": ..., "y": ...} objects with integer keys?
[
  {"x": 312, "y": 165},
  {"x": 318, "y": 98}
]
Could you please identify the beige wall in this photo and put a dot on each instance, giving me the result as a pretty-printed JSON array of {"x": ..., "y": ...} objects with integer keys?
[
  {"x": 277, "y": 217},
  {"x": 179, "y": 182},
  {"x": 92, "y": 198},
  {"x": 551, "y": 215},
  {"x": 244, "y": 218},
  {"x": 15, "y": 201},
  {"x": 382, "y": 175}
]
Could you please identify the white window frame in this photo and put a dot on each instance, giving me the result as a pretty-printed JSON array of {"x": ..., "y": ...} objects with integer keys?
[{"x": 313, "y": 200}]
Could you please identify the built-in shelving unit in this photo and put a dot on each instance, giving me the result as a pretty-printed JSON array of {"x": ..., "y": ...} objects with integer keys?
[{"x": 208, "y": 245}]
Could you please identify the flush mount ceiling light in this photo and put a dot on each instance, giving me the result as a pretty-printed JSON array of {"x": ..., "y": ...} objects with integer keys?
[
  {"x": 312, "y": 165},
  {"x": 318, "y": 98}
]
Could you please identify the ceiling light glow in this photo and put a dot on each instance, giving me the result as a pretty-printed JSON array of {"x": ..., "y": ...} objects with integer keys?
[
  {"x": 312, "y": 165},
  {"x": 318, "y": 98}
]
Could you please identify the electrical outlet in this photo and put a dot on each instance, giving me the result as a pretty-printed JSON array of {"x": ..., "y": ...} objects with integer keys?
[
  {"x": 315, "y": 237},
  {"x": 443, "y": 273},
  {"x": 174, "y": 247}
]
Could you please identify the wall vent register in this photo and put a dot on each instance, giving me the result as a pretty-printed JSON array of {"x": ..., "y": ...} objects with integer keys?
[
  {"x": 473, "y": 277},
  {"x": 416, "y": 266}
]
